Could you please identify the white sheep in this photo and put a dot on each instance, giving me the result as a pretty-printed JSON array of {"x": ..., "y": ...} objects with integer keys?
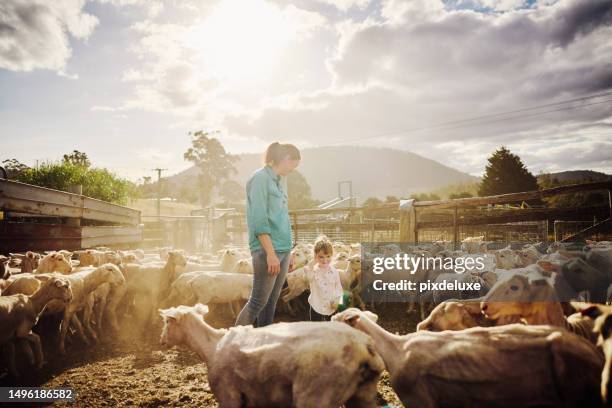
[
  {"x": 19, "y": 313},
  {"x": 147, "y": 284},
  {"x": 54, "y": 262},
  {"x": 510, "y": 365},
  {"x": 301, "y": 364},
  {"x": 83, "y": 285},
  {"x": 533, "y": 299},
  {"x": 221, "y": 287}
]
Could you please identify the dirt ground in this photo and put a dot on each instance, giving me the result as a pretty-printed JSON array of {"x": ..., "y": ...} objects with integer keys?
[{"x": 124, "y": 372}]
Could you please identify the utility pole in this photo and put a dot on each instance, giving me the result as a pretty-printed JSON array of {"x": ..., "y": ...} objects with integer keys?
[{"x": 159, "y": 171}]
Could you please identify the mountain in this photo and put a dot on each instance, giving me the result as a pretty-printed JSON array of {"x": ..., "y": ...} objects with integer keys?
[
  {"x": 374, "y": 172},
  {"x": 580, "y": 176}
]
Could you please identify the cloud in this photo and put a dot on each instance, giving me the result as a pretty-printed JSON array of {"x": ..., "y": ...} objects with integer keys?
[
  {"x": 35, "y": 34},
  {"x": 388, "y": 77},
  {"x": 345, "y": 5},
  {"x": 425, "y": 64},
  {"x": 153, "y": 7}
]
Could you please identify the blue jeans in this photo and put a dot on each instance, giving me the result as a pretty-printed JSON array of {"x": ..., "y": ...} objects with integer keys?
[{"x": 260, "y": 308}]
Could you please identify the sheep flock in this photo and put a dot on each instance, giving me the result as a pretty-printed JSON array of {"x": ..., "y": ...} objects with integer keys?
[{"x": 105, "y": 322}]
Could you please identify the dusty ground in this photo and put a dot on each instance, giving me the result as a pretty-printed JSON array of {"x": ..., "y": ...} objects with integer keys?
[{"x": 122, "y": 372}]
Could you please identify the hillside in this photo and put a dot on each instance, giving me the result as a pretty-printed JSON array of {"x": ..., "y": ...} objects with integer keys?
[
  {"x": 375, "y": 172},
  {"x": 580, "y": 175}
]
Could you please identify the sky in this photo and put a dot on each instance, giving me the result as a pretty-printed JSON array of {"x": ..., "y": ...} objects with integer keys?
[{"x": 126, "y": 80}]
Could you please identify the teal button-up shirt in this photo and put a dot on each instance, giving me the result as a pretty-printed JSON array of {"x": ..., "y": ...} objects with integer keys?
[{"x": 267, "y": 210}]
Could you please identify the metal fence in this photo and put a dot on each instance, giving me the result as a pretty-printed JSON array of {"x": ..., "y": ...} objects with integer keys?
[{"x": 443, "y": 220}]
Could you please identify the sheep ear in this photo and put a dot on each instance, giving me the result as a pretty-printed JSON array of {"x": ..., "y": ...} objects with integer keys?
[
  {"x": 201, "y": 309},
  {"x": 352, "y": 319},
  {"x": 588, "y": 309},
  {"x": 164, "y": 313}
]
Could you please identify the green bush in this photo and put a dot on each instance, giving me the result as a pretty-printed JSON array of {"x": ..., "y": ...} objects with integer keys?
[{"x": 97, "y": 183}]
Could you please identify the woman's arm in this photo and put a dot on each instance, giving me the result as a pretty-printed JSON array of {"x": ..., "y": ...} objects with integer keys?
[
  {"x": 258, "y": 201},
  {"x": 271, "y": 258}
]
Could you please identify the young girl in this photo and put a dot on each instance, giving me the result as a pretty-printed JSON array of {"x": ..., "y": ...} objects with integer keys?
[{"x": 325, "y": 286}]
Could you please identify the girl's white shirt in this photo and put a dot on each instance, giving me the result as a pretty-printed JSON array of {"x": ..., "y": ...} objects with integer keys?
[{"x": 325, "y": 288}]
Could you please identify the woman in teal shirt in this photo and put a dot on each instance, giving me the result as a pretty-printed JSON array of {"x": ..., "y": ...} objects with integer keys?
[{"x": 269, "y": 233}]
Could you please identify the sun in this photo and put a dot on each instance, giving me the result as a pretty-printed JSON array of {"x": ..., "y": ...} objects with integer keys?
[{"x": 241, "y": 40}]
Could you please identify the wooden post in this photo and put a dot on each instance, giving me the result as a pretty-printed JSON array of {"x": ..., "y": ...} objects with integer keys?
[
  {"x": 455, "y": 232},
  {"x": 408, "y": 232}
]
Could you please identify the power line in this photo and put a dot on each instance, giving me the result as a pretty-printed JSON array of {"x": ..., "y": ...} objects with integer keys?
[{"x": 481, "y": 120}]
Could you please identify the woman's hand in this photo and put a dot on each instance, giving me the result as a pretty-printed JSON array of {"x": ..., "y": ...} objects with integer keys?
[
  {"x": 291, "y": 263},
  {"x": 273, "y": 264}
]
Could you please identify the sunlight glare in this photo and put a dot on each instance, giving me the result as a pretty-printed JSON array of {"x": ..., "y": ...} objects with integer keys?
[{"x": 241, "y": 40}]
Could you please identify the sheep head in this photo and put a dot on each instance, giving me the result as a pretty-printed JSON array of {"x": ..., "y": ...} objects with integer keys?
[
  {"x": 112, "y": 274},
  {"x": 176, "y": 258},
  {"x": 352, "y": 315},
  {"x": 59, "y": 288},
  {"x": 173, "y": 333},
  {"x": 451, "y": 315}
]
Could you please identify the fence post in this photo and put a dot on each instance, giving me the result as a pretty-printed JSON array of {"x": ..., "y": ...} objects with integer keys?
[
  {"x": 455, "y": 232},
  {"x": 408, "y": 232}
]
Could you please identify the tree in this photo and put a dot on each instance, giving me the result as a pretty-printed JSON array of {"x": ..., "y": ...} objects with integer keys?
[
  {"x": 232, "y": 192},
  {"x": 77, "y": 158},
  {"x": 97, "y": 183},
  {"x": 300, "y": 195},
  {"x": 214, "y": 163},
  {"x": 372, "y": 202},
  {"x": 505, "y": 174},
  {"x": 391, "y": 199},
  {"x": 13, "y": 168},
  {"x": 581, "y": 199}
]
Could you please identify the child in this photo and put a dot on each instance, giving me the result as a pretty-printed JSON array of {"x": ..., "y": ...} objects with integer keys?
[{"x": 325, "y": 286}]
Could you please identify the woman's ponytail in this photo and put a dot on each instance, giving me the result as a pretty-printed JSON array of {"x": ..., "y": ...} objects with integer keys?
[{"x": 276, "y": 152}]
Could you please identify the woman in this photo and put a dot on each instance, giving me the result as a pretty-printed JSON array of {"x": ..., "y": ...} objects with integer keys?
[{"x": 269, "y": 233}]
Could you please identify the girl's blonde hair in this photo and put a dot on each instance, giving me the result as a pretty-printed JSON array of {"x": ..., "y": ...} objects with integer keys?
[
  {"x": 322, "y": 243},
  {"x": 276, "y": 152}
]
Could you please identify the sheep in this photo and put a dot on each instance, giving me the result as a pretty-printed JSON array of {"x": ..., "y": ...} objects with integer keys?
[
  {"x": 28, "y": 262},
  {"x": 534, "y": 300},
  {"x": 3, "y": 285},
  {"x": 5, "y": 272},
  {"x": 466, "y": 277},
  {"x": 341, "y": 260},
  {"x": 181, "y": 292},
  {"x": 19, "y": 313},
  {"x": 92, "y": 257},
  {"x": 24, "y": 283},
  {"x": 473, "y": 245},
  {"x": 511, "y": 365},
  {"x": 603, "y": 329},
  {"x": 221, "y": 287},
  {"x": 54, "y": 262},
  {"x": 301, "y": 364},
  {"x": 83, "y": 285},
  {"x": 243, "y": 266},
  {"x": 229, "y": 258},
  {"x": 147, "y": 284},
  {"x": 506, "y": 258},
  {"x": 460, "y": 315},
  {"x": 297, "y": 283},
  {"x": 351, "y": 279}
]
